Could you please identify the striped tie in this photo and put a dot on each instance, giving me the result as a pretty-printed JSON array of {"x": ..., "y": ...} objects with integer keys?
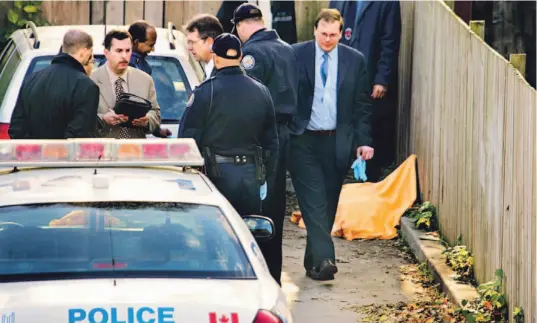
[{"x": 123, "y": 131}]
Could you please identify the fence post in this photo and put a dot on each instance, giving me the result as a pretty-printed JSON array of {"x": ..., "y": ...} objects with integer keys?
[
  {"x": 519, "y": 62},
  {"x": 478, "y": 27}
]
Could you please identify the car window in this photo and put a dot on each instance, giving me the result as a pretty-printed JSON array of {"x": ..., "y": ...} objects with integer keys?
[
  {"x": 119, "y": 239},
  {"x": 172, "y": 91},
  {"x": 170, "y": 82},
  {"x": 12, "y": 61},
  {"x": 6, "y": 53}
]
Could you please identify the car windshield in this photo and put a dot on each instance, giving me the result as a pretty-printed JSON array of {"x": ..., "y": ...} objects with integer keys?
[
  {"x": 170, "y": 82},
  {"x": 118, "y": 239}
]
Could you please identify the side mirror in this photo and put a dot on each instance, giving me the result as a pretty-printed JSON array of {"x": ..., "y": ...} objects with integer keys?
[{"x": 262, "y": 228}]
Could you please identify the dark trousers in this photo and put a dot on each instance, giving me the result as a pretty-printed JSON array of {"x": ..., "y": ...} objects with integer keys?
[
  {"x": 383, "y": 134},
  {"x": 317, "y": 182},
  {"x": 239, "y": 186},
  {"x": 274, "y": 206}
]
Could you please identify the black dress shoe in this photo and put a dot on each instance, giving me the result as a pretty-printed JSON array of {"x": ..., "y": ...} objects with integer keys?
[{"x": 325, "y": 271}]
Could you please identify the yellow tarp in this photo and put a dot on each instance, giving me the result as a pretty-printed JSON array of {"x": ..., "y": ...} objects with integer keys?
[{"x": 372, "y": 210}]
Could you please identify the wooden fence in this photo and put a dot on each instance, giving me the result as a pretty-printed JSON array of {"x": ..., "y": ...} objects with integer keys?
[
  {"x": 472, "y": 124},
  {"x": 124, "y": 12}
]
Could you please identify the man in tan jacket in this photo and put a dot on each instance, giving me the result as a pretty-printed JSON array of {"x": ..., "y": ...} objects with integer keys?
[{"x": 116, "y": 77}]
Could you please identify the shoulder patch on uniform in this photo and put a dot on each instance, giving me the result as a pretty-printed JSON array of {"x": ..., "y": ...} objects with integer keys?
[
  {"x": 248, "y": 62},
  {"x": 190, "y": 100}
]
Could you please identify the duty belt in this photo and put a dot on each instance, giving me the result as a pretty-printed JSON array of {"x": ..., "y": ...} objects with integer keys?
[{"x": 238, "y": 159}]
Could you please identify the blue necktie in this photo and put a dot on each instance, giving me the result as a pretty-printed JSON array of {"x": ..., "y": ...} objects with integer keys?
[{"x": 324, "y": 68}]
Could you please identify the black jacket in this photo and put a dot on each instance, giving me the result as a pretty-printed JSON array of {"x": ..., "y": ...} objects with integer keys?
[
  {"x": 58, "y": 102},
  {"x": 274, "y": 63},
  {"x": 232, "y": 114}
]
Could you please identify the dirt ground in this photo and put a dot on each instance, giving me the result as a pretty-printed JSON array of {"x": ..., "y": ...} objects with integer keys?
[{"x": 371, "y": 272}]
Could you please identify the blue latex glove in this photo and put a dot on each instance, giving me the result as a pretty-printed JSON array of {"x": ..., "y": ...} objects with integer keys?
[
  {"x": 359, "y": 169},
  {"x": 263, "y": 191}
]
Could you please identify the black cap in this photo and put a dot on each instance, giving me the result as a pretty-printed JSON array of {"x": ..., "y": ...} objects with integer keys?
[
  {"x": 245, "y": 11},
  {"x": 225, "y": 42}
]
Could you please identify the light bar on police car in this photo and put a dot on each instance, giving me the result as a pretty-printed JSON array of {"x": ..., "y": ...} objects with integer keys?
[{"x": 100, "y": 152}]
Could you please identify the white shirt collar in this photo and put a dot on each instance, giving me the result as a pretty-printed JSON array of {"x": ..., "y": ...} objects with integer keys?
[{"x": 209, "y": 68}]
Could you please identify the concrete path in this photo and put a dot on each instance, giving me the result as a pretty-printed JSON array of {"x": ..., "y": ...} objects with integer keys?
[{"x": 369, "y": 273}]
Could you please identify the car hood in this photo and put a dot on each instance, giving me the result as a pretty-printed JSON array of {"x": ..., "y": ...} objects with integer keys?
[{"x": 132, "y": 301}]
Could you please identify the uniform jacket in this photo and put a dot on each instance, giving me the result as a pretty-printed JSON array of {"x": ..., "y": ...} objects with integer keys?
[
  {"x": 58, "y": 102},
  {"x": 274, "y": 63},
  {"x": 353, "y": 99},
  {"x": 140, "y": 84},
  {"x": 377, "y": 35},
  {"x": 231, "y": 113}
]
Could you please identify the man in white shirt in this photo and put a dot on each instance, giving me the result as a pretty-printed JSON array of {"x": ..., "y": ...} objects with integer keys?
[{"x": 201, "y": 31}]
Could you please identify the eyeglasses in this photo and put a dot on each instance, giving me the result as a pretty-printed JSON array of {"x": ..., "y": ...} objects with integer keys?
[
  {"x": 90, "y": 62},
  {"x": 150, "y": 45},
  {"x": 192, "y": 42}
]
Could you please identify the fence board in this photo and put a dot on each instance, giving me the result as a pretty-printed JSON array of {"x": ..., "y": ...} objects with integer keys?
[
  {"x": 115, "y": 13},
  {"x": 97, "y": 12},
  {"x": 154, "y": 12},
  {"x": 305, "y": 14},
  {"x": 134, "y": 10},
  {"x": 66, "y": 12},
  {"x": 405, "y": 74},
  {"x": 174, "y": 13}
]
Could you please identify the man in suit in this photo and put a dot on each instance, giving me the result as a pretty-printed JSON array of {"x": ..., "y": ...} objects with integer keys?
[
  {"x": 201, "y": 31},
  {"x": 116, "y": 77},
  {"x": 330, "y": 130},
  {"x": 374, "y": 29}
]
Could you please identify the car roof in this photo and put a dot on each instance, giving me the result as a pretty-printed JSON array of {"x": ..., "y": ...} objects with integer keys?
[
  {"x": 31, "y": 185},
  {"x": 50, "y": 38}
]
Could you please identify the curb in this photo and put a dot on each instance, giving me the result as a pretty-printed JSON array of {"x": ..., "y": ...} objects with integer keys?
[{"x": 431, "y": 251}]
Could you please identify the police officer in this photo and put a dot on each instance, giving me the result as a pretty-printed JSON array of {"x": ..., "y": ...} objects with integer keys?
[
  {"x": 272, "y": 61},
  {"x": 231, "y": 117}
]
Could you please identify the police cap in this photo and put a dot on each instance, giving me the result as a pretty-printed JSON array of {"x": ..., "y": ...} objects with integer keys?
[
  {"x": 245, "y": 11},
  {"x": 227, "y": 46}
]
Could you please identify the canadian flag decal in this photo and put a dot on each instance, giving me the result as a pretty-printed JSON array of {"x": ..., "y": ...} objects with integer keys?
[{"x": 222, "y": 318}]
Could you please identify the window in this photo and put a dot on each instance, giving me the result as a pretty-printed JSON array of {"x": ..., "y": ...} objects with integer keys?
[
  {"x": 9, "y": 62},
  {"x": 170, "y": 82},
  {"x": 172, "y": 92},
  {"x": 119, "y": 239},
  {"x": 10, "y": 47}
]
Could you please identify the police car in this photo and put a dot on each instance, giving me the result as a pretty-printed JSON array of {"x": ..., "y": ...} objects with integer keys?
[
  {"x": 126, "y": 231},
  {"x": 29, "y": 50}
]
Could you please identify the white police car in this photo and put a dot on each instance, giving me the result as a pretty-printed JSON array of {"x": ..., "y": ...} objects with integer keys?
[
  {"x": 29, "y": 50},
  {"x": 119, "y": 231}
]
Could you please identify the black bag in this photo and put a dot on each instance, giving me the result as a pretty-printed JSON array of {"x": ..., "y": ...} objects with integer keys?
[{"x": 132, "y": 106}]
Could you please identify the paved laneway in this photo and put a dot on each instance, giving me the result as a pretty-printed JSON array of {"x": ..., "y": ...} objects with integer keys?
[{"x": 369, "y": 273}]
